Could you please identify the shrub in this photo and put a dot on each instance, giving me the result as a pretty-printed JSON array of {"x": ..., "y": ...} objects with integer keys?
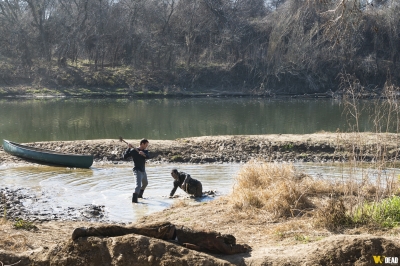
[{"x": 177, "y": 158}]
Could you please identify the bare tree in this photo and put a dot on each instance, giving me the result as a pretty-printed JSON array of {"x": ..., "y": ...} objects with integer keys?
[
  {"x": 14, "y": 36},
  {"x": 41, "y": 11}
]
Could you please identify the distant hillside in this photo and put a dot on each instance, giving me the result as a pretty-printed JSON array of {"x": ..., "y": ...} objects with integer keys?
[{"x": 252, "y": 46}]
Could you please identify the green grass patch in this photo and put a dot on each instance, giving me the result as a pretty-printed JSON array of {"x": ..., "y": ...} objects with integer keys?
[
  {"x": 288, "y": 147},
  {"x": 301, "y": 238},
  {"x": 177, "y": 158},
  {"x": 385, "y": 213},
  {"x": 24, "y": 225}
]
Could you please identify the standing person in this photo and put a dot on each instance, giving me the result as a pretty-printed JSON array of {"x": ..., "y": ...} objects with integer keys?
[
  {"x": 139, "y": 156},
  {"x": 187, "y": 183}
]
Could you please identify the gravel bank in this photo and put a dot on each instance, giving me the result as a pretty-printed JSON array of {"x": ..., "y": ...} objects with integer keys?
[{"x": 318, "y": 147}]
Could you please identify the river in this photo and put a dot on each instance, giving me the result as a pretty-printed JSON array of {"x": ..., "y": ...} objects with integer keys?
[{"x": 29, "y": 120}]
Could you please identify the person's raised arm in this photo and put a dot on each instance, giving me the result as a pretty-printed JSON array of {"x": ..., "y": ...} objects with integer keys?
[{"x": 127, "y": 153}]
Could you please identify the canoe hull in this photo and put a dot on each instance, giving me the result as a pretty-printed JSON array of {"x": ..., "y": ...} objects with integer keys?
[{"x": 47, "y": 156}]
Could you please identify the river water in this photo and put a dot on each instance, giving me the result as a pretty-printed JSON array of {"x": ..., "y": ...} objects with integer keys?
[
  {"x": 112, "y": 186},
  {"x": 79, "y": 119},
  {"x": 58, "y": 188}
]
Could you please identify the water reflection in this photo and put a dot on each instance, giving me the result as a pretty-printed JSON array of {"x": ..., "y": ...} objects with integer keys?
[{"x": 73, "y": 119}]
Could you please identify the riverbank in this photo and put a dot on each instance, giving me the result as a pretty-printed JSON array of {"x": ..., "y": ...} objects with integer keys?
[
  {"x": 317, "y": 147},
  {"x": 83, "y": 80},
  {"x": 283, "y": 241},
  {"x": 293, "y": 241},
  {"x": 94, "y": 93}
]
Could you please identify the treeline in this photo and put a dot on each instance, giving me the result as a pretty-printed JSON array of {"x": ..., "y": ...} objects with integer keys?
[{"x": 291, "y": 46}]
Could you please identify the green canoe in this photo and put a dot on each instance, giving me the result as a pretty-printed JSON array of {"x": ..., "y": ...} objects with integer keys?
[{"x": 47, "y": 156}]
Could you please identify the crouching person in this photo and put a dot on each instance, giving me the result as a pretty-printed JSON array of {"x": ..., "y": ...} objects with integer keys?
[
  {"x": 186, "y": 183},
  {"x": 207, "y": 241}
]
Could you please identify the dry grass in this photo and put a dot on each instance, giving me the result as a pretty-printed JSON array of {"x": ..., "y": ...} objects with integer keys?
[
  {"x": 3, "y": 221},
  {"x": 278, "y": 191},
  {"x": 179, "y": 204},
  {"x": 275, "y": 188},
  {"x": 333, "y": 215},
  {"x": 11, "y": 242},
  {"x": 15, "y": 242}
]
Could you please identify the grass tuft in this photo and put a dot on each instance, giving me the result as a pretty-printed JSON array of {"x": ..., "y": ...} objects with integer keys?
[
  {"x": 14, "y": 242},
  {"x": 333, "y": 216},
  {"x": 179, "y": 204},
  {"x": 24, "y": 225},
  {"x": 272, "y": 187}
]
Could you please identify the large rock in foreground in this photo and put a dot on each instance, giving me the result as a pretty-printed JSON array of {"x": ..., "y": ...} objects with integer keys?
[
  {"x": 123, "y": 251},
  {"x": 140, "y": 250}
]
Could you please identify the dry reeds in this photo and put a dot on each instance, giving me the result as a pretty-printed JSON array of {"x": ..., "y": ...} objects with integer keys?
[
  {"x": 14, "y": 242},
  {"x": 333, "y": 216},
  {"x": 272, "y": 187},
  {"x": 281, "y": 191},
  {"x": 179, "y": 204}
]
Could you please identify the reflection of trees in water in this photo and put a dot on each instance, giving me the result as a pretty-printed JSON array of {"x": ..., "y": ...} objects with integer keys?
[{"x": 33, "y": 120}]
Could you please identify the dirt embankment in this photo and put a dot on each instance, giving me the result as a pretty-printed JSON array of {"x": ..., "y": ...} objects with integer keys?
[{"x": 275, "y": 242}]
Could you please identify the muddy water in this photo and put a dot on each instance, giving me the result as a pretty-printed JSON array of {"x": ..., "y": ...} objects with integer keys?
[
  {"x": 112, "y": 186},
  {"x": 61, "y": 188}
]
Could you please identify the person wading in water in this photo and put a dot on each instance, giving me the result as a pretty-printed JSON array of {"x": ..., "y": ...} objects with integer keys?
[{"x": 139, "y": 156}]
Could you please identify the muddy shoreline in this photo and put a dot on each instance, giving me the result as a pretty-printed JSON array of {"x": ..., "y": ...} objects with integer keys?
[
  {"x": 50, "y": 242},
  {"x": 318, "y": 147}
]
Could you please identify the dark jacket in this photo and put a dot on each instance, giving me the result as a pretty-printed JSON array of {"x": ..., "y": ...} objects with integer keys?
[
  {"x": 181, "y": 179},
  {"x": 178, "y": 182},
  {"x": 138, "y": 160}
]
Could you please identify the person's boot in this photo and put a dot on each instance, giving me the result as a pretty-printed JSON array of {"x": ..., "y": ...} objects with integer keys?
[
  {"x": 134, "y": 197},
  {"x": 141, "y": 194}
]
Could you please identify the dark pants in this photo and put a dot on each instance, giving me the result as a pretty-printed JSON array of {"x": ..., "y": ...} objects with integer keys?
[{"x": 195, "y": 188}]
